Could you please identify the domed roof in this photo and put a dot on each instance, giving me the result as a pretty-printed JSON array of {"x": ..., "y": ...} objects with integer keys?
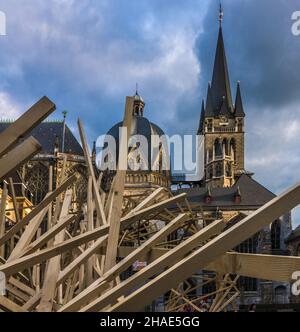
[{"x": 140, "y": 126}]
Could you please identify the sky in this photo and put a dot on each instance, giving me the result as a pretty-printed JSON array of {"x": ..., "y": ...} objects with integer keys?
[{"x": 87, "y": 55}]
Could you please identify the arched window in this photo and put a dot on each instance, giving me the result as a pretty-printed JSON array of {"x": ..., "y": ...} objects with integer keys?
[
  {"x": 275, "y": 235},
  {"x": 37, "y": 181},
  {"x": 225, "y": 146},
  {"x": 218, "y": 148}
]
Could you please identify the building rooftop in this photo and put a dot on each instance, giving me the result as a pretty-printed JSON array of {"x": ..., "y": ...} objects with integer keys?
[{"x": 48, "y": 133}]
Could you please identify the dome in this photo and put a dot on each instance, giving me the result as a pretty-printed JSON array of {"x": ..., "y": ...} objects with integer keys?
[{"x": 140, "y": 126}]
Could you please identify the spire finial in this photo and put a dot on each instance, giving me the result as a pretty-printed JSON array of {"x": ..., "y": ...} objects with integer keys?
[
  {"x": 137, "y": 89},
  {"x": 221, "y": 15}
]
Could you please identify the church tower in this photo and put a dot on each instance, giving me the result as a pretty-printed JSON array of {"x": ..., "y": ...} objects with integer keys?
[{"x": 222, "y": 124}]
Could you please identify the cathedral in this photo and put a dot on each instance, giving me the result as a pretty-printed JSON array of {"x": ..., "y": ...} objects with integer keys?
[{"x": 228, "y": 191}]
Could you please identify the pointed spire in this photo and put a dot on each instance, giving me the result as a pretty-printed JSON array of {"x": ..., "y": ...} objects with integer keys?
[
  {"x": 239, "y": 108},
  {"x": 209, "y": 110},
  {"x": 202, "y": 117},
  {"x": 221, "y": 82}
]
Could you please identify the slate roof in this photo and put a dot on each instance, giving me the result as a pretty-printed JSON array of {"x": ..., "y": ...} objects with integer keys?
[
  {"x": 219, "y": 97},
  {"x": 253, "y": 195},
  {"x": 140, "y": 126},
  {"x": 47, "y": 132},
  {"x": 220, "y": 86}
]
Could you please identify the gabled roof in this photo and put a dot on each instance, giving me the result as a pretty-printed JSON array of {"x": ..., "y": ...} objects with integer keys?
[
  {"x": 253, "y": 195},
  {"x": 47, "y": 134}
]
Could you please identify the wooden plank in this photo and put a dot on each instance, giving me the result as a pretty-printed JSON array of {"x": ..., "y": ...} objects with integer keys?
[
  {"x": 38, "y": 209},
  {"x": 20, "y": 128},
  {"x": 71, "y": 268},
  {"x": 168, "y": 259},
  {"x": 2, "y": 215},
  {"x": 134, "y": 256},
  {"x": 118, "y": 190},
  {"x": 90, "y": 227},
  {"x": 53, "y": 269},
  {"x": 98, "y": 202},
  {"x": 227, "y": 240},
  {"x": 127, "y": 221},
  {"x": 9, "y": 305},
  {"x": 42, "y": 240},
  {"x": 27, "y": 236},
  {"x": 25, "y": 262},
  {"x": 18, "y": 156},
  {"x": 147, "y": 201},
  {"x": 264, "y": 267}
]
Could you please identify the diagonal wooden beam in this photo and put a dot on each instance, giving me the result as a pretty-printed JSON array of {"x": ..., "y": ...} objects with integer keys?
[
  {"x": 25, "y": 262},
  {"x": 168, "y": 259},
  {"x": 18, "y": 156},
  {"x": 53, "y": 268},
  {"x": 42, "y": 240},
  {"x": 20, "y": 128},
  {"x": 28, "y": 235},
  {"x": 38, "y": 209},
  {"x": 146, "y": 212},
  {"x": 9, "y": 305},
  {"x": 115, "y": 212},
  {"x": 81, "y": 259},
  {"x": 227, "y": 240},
  {"x": 98, "y": 202}
]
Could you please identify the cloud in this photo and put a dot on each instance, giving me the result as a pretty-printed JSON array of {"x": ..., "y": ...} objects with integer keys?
[
  {"x": 9, "y": 109},
  {"x": 88, "y": 55}
]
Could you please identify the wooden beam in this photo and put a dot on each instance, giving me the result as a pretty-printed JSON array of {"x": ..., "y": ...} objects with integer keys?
[
  {"x": 81, "y": 259},
  {"x": 147, "y": 201},
  {"x": 20, "y": 128},
  {"x": 168, "y": 259},
  {"x": 25, "y": 262},
  {"x": 115, "y": 212},
  {"x": 8, "y": 305},
  {"x": 103, "y": 282},
  {"x": 264, "y": 267},
  {"x": 38, "y": 209},
  {"x": 127, "y": 221},
  {"x": 42, "y": 240},
  {"x": 53, "y": 269},
  {"x": 28, "y": 235},
  {"x": 3, "y": 215},
  {"x": 98, "y": 202},
  {"x": 18, "y": 156},
  {"x": 227, "y": 240}
]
